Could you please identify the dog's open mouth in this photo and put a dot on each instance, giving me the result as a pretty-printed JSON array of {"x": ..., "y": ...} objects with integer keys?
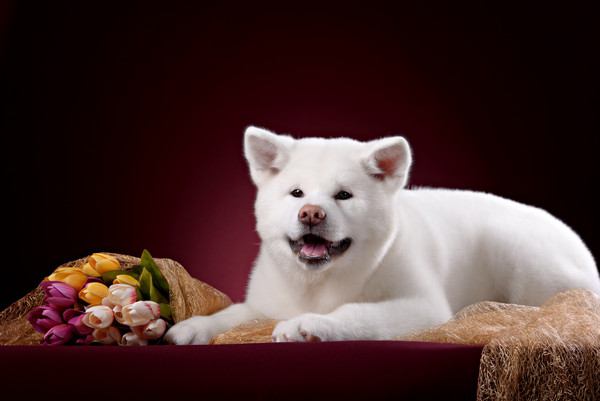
[{"x": 315, "y": 250}]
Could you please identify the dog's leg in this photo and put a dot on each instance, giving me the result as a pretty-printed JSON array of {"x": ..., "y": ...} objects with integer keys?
[
  {"x": 200, "y": 329},
  {"x": 365, "y": 321}
]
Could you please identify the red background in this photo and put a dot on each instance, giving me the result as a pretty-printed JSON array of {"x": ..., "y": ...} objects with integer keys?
[{"x": 122, "y": 125}]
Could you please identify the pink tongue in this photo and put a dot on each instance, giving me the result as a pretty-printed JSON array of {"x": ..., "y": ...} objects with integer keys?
[{"x": 314, "y": 250}]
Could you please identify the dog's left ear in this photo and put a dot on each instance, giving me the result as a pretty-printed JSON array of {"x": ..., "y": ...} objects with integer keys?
[
  {"x": 389, "y": 160},
  {"x": 267, "y": 153}
]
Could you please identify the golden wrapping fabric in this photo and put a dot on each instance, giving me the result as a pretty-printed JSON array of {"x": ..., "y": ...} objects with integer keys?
[
  {"x": 188, "y": 297},
  {"x": 255, "y": 331},
  {"x": 14, "y": 327},
  {"x": 550, "y": 352}
]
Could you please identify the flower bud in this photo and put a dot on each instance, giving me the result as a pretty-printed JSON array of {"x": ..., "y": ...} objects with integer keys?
[
  {"x": 121, "y": 294},
  {"x": 69, "y": 275},
  {"x": 93, "y": 293},
  {"x": 98, "y": 317},
  {"x": 126, "y": 279},
  {"x": 43, "y": 318},
  {"x": 59, "y": 334},
  {"x": 107, "y": 335},
  {"x": 152, "y": 331},
  {"x": 75, "y": 319},
  {"x": 132, "y": 339},
  {"x": 99, "y": 263},
  {"x": 140, "y": 313},
  {"x": 88, "y": 339},
  {"x": 58, "y": 289},
  {"x": 59, "y": 295}
]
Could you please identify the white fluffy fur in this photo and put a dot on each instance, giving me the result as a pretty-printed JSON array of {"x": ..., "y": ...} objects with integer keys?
[{"x": 417, "y": 256}]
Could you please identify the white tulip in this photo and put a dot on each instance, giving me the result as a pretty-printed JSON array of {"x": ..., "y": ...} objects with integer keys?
[
  {"x": 106, "y": 302},
  {"x": 132, "y": 339},
  {"x": 121, "y": 294},
  {"x": 118, "y": 312},
  {"x": 139, "y": 313},
  {"x": 152, "y": 331},
  {"x": 108, "y": 335},
  {"x": 98, "y": 317}
]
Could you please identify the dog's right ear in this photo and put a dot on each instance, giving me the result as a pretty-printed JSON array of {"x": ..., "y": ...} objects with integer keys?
[{"x": 267, "y": 153}]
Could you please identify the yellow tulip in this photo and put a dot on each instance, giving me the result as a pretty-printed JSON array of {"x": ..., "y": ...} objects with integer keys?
[
  {"x": 89, "y": 270},
  {"x": 126, "y": 279},
  {"x": 93, "y": 293},
  {"x": 100, "y": 263},
  {"x": 69, "y": 275}
]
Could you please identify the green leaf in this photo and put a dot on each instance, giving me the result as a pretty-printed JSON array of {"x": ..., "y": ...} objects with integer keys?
[
  {"x": 132, "y": 274},
  {"x": 165, "y": 311},
  {"x": 156, "y": 296},
  {"x": 137, "y": 269},
  {"x": 149, "y": 291},
  {"x": 149, "y": 264},
  {"x": 145, "y": 283},
  {"x": 140, "y": 296},
  {"x": 108, "y": 277}
]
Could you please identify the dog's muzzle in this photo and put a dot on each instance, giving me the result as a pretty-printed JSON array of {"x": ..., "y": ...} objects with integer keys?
[{"x": 315, "y": 251}]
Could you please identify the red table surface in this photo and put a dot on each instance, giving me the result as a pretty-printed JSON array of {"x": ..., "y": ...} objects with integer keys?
[{"x": 352, "y": 370}]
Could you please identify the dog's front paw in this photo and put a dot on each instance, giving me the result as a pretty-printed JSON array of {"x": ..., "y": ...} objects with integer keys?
[
  {"x": 195, "y": 330},
  {"x": 310, "y": 327}
]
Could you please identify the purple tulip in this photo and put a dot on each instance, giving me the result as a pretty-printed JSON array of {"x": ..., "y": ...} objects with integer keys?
[
  {"x": 58, "y": 303},
  {"x": 77, "y": 322},
  {"x": 82, "y": 333},
  {"x": 59, "y": 334},
  {"x": 43, "y": 318},
  {"x": 59, "y": 289},
  {"x": 85, "y": 340},
  {"x": 58, "y": 294},
  {"x": 70, "y": 313}
]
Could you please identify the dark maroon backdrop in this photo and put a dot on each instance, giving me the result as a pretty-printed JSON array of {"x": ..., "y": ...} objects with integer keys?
[{"x": 122, "y": 125}]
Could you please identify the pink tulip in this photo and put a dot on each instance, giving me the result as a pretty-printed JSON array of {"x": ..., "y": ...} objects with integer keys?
[
  {"x": 43, "y": 318},
  {"x": 59, "y": 334}
]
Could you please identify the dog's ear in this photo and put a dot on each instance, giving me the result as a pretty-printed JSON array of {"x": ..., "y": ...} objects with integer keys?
[
  {"x": 389, "y": 160},
  {"x": 267, "y": 153}
]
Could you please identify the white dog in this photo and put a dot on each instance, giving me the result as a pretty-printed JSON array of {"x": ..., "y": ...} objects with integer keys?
[{"x": 347, "y": 253}]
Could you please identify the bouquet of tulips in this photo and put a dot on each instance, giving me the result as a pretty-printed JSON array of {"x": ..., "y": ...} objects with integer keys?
[{"x": 102, "y": 303}]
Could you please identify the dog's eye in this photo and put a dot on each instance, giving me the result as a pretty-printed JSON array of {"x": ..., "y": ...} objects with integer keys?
[
  {"x": 343, "y": 195},
  {"x": 297, "y": 193}
]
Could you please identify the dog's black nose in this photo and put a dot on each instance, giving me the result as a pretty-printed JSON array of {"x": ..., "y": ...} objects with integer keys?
[{"x": 311, "y": 215}]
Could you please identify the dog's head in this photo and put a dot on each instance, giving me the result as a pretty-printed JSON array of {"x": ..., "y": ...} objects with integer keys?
[{"x": 324, "y": 202}]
